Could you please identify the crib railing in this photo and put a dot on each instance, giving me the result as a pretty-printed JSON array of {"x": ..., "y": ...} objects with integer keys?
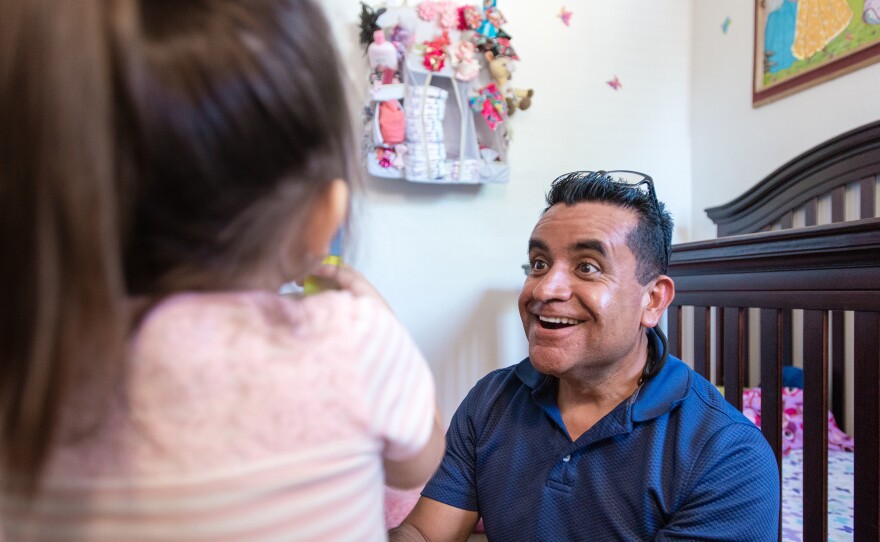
[{"x": 823, "y": 271}]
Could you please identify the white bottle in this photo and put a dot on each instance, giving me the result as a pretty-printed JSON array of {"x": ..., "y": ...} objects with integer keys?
[{"x": 382, "y": 52}]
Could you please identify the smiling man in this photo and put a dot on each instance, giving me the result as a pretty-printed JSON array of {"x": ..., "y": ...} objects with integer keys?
[{"x": 599, "y": 434}]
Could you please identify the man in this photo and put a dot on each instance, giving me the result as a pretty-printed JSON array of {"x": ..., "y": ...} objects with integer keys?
[{"x": 599, "y": 434}]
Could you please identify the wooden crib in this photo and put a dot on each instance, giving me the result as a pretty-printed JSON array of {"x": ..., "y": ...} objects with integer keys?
[{"x": 794, "y": 277}]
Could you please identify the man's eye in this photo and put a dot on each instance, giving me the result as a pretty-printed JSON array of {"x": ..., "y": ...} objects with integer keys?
[
  {"x": 587, "y": 268},
  {"x": 538, "y": 265}
]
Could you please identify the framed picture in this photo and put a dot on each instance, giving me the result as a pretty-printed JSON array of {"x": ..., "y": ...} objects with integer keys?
[{"x": 800, "y": 43}]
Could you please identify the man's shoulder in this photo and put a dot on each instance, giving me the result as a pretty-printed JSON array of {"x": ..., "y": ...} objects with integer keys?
[
  {"x": 708, "y": 417},
  {"x": 710, "y": 398},
  {"x": 691, "y": 401},
  {"x": 710, "y": 430},
  {"x": 496, "y": 381},
  {"x": 498, "y": 389}
]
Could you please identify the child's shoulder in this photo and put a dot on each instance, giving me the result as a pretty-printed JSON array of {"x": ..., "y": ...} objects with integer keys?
[
  {"x": 202, "y": 323},
  {"x": 341, "y": 308}
]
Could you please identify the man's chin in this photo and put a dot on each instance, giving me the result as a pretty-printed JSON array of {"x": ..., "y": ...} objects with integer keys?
[{"x": 547, "y": 362}]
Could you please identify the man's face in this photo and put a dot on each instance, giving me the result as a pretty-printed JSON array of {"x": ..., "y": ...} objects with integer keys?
[{"x": 581, "y": 305}]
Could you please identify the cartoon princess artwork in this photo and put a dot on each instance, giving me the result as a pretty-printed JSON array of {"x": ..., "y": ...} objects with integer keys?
[
  {"x": 871, "y": 13},
  {"x": 779, "y": 34},
  {"x": 818, "y": 22}
]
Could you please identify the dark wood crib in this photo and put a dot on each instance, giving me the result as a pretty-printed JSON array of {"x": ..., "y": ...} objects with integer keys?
[{"x": 796, "y": 266}]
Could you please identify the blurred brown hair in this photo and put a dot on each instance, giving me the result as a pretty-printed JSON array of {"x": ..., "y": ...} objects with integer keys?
[{"x": 146, "y": 147}]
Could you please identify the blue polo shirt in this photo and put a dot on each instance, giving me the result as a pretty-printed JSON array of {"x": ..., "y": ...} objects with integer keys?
[{"x": 675, "y": 461}]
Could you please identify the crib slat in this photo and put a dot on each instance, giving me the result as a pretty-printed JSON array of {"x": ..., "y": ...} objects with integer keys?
[
  {"x": 786, "y": 221},
  {"x": 838, "y": 208},
  {"x": 718, "y": 328},
  {"x": 733, "y": 355},
  {"x": 785, "y": 328},
  {"x": 811, "y": 212},
  {"x": 866, "y": 516},
  {"x": 771, "y": 381},
  {"x": 771, "y": 386},
  {"x": 815, "y": 425},
  {"x": 838, "y": 369},
  {"x": 866, "y": 196},
  {"x": 673, "y": 330},
  {"x": 701, "y": 341}
]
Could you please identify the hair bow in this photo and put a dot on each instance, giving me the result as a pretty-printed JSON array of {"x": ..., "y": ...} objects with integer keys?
[{"x": 490, "y": 104}]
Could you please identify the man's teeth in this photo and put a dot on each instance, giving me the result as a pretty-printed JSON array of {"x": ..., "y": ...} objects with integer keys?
[{"x": 550, "y": 320}]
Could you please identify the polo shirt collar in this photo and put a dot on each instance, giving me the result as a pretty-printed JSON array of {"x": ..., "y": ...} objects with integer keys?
[
  {"x": 655, "y": 398},
  {"x": 663, "y": 392},
  {"x": 529, "y": 375}
]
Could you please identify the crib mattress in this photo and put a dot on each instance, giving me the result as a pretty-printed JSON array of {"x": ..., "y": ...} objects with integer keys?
[{"x": 840, "y": 496}]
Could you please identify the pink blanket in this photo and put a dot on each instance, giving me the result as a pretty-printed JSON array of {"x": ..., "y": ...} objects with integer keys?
[{"x": 793, "y": 420}]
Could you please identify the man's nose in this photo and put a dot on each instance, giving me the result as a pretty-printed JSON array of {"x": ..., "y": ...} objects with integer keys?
[{"x": 555, "y": 284}]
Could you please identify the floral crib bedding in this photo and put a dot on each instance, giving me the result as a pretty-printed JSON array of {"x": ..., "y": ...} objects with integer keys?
[
  {"x": 840, "y": 467},
  {"x": 840, "y": 496}
]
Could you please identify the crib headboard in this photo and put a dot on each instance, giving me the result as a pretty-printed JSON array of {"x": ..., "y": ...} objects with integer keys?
[
  {"x": 803, "y": 244},
  {"x": 825, "y": 171}
]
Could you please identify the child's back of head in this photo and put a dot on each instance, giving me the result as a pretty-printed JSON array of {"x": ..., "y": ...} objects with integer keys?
[{"x": 147, "y": 148}]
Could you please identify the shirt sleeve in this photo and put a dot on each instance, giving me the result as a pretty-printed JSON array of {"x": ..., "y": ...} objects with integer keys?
[
  {"x": 734, "y": 491},
  {"x": 399, "y": 387},
  {"x": 454, "y": 482}
]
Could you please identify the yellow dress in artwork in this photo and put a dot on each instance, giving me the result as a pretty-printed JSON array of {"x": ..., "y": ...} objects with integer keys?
[{"x": 818, "y": 22}]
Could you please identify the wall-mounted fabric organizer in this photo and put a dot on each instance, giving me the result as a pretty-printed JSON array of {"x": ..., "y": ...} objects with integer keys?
[{"x": 435, "y": 113}]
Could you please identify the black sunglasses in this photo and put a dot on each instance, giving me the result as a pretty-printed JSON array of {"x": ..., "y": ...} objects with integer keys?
[
  {"x": 635, "y": 180},
  {"x": 631, "y": 179}
]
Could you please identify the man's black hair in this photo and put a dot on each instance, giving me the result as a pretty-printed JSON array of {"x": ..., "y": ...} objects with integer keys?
[{"x": 649, "y": 241}]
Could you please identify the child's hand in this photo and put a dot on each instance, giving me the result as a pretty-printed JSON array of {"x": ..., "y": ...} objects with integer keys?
[{"x": 344, "y": 277}]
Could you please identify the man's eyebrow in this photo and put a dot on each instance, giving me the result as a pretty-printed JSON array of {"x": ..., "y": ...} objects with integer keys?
[
  {"x": 589, "y": 244},
  {"x": 579, "y": 246},
  {"x": 537, "y": 244}
]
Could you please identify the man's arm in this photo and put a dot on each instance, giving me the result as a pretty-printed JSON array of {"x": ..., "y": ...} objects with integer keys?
[{"x": 434, "y": 521}]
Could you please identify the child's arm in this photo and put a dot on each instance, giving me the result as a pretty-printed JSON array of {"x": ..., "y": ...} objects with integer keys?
[{"x": 415, "y": 471}]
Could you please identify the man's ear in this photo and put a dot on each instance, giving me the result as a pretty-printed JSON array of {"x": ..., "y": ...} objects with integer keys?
[
  {"x": 660, "y": 292},
  {"x": 325, "y": 217}
]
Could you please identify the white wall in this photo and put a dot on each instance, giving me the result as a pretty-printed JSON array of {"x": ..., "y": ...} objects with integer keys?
[
  {"x": 448, "y": 258},
  {"x": 735, "y": 145}
]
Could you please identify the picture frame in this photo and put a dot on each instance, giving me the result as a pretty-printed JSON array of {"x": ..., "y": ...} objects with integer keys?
[{"x": 798, "y": 44}]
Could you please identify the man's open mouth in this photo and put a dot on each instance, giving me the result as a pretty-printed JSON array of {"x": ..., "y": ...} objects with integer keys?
[{"x": 550, "y": 322}]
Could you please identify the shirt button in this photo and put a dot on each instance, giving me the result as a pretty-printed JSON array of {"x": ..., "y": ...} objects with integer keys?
[{"x": 567, "y": 458}]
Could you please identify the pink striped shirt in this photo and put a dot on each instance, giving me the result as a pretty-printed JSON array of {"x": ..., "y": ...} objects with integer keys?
[{"x": 246, "y": 416}]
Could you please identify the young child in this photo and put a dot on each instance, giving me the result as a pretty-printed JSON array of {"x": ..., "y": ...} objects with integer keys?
[{"x": 165, "y": 165}]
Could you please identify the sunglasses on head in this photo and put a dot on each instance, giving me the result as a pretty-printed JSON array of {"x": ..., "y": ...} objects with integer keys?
[{"x": 623, "y": 177}]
